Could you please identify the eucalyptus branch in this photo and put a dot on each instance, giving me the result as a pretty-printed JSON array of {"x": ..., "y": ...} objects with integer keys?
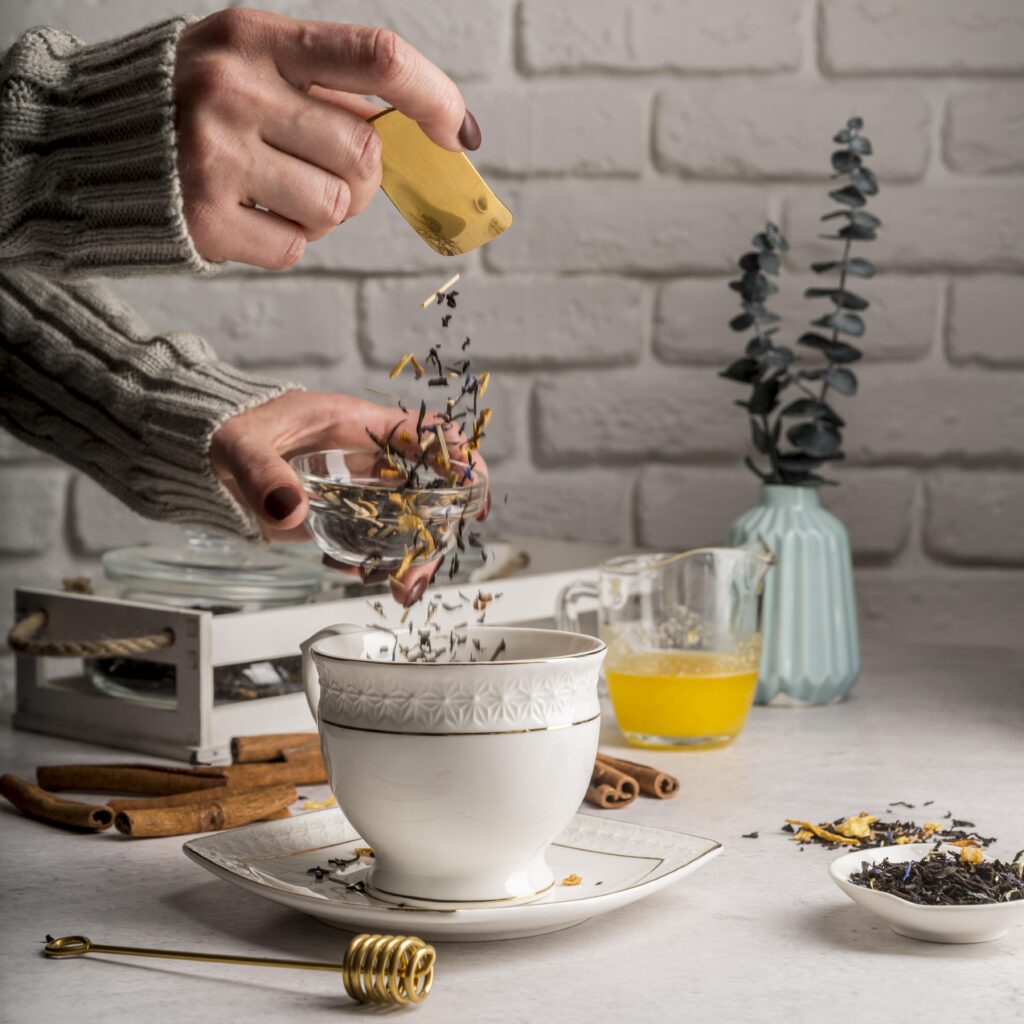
[{"x": 816, "y": 433}]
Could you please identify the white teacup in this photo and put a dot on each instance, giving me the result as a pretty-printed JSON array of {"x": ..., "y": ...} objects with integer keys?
[{"x": 459, "y": 775}]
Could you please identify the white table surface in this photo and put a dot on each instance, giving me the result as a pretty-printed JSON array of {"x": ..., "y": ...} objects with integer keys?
[{"x": 760, "y": 934}]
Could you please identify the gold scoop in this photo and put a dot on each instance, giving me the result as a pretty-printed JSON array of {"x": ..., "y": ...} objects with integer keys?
[
  {"x": 440, "y": 193},
  {"x": 393, "y": 969}
]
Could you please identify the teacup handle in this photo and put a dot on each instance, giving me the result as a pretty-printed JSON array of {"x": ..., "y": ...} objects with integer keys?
[
  {"x": 566, "y": 615},
  {"x": 310, "y": 676}
]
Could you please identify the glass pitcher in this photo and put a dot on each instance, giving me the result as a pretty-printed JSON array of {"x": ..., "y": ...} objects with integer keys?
[{"x": 684, "y": 642}]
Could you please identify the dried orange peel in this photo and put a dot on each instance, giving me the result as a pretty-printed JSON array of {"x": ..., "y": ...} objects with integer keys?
[{"x": 823, "y": 833}]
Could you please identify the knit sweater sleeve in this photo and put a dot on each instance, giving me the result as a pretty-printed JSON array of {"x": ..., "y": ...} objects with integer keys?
[
  {"x": 82, "y": 377},
  {"x": 88, "y": 162}
]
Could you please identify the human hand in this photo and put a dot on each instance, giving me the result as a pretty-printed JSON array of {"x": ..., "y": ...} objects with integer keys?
[
  {"x": 250, "y": 453},
  {"x": 270, "y": 112}
]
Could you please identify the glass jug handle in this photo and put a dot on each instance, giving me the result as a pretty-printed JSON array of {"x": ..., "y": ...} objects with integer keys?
[{"x": 567, "y": 616}]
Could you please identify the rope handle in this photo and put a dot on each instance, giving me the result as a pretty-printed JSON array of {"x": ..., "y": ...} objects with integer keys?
[{"x": 23, "y": 639}]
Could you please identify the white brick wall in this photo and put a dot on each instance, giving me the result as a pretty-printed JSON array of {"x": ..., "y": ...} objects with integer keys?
[{"x": 640, "y": 144}]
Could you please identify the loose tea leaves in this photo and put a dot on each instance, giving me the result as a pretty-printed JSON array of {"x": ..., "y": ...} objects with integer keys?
[
  {"x": 944, "y": 879},
  {"x": 868, "y": 832}
]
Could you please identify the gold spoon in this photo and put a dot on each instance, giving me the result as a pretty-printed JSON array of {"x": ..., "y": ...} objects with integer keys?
[
  {"x": 393, "y": 969},
  {"x": 440, "y": 193}
]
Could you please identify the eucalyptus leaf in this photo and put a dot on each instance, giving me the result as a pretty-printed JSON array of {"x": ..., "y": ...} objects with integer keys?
[
  {"x": 744, "y": 370},
  {"x": 864, "y": 180},
  {"x": 844, "y": 161},
  {"x": 815, "y": 438},
  {"x": 849, "y": 195},
  {"x": 854, "y": 232},
  {"x": 842, "y": 137},
  {"x": 841, "y": 297},
  {"x": 764, "y": 398},
  {"x": 842, "y": 380},
  {"x": 861, "y": 144},
  {"x": 776, "y": 237},
  {"x": 859, "y": 267},
  {"x": 864, "y": 219},
  {"x": 757, "y": 347},
  {"x": 834, "y": 351},
  {"x": 813, "y": 408},
  {"x": 855, "y": 266},
  {"x": 848, "y": 323},
  {"x": 777, "y": 357},
  {"x": 855, "y": 123},
  {"x": 741, "y": 322}
]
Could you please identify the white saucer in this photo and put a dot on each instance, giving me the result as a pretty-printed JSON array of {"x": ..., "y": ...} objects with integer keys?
[
  {"x": 981, "y": 922},
  {"x": 618, "y": 863}
]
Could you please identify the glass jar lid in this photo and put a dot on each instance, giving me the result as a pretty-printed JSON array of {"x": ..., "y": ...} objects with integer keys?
[{"x": 212, "y": 571}]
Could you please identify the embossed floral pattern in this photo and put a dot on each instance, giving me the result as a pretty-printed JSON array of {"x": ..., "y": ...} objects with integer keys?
[{"x": 438, "y": 699}]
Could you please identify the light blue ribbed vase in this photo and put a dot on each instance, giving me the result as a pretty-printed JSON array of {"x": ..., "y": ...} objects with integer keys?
[{"x": 811, "y": 650}]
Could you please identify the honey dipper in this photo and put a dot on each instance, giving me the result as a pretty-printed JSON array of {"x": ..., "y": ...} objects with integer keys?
[{"x": 385, "y": 969}]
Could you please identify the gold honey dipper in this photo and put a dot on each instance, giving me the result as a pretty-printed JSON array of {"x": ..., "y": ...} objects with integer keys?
[{"x": 383, "y": 969}]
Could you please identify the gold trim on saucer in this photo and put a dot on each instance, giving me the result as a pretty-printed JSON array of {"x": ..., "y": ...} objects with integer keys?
[
  {"x": 497, "y": 732},
  {"x": 370, "y": 888}
]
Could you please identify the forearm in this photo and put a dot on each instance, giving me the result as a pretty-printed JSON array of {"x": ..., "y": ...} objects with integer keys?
[
  {"x": 88, "y": 156},
  {"x": 81, "y": 377}
]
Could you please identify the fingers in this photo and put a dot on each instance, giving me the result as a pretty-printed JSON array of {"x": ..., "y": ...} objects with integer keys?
[
  {"x": 329, "y": 139},
  {"x": 231, "y": 231},
  {"x": 414, "y": 583},
  {"x": 377, "y": 62},
  {"x": 267, "y": 483},
  {"x": 296, "y": 191},
  {"x": 362, "y": 108}
]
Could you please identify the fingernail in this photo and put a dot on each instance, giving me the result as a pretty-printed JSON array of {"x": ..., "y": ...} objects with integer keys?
[
  {"x": 281, "y": 502},
  {"x": 416, "y": 591},
  {"x": 469, "y": 133}
]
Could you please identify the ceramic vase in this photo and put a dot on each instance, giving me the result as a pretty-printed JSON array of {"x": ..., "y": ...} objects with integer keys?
[{"x": 811, "y": 651}]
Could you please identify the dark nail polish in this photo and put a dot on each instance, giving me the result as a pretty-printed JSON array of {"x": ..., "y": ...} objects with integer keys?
[
  {"x": 281, "y": 502},
  {"x": 469, "y": 133},
  {"x": 416, "y": 591}
]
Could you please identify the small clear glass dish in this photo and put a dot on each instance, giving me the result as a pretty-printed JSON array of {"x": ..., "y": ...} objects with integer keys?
[{"x": 360, "y": 518}]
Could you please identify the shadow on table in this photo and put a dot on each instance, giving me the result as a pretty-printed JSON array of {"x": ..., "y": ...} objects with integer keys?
[{"x": 852, "y": 930}]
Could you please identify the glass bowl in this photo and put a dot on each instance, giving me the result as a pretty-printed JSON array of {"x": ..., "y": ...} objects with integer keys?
[{"x": 359, "y": 518}]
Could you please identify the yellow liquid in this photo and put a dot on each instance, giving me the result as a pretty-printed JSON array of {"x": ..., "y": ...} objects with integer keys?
[{"x": 690, "y": 699}]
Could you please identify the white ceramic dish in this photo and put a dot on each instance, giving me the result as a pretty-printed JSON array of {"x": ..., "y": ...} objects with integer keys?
[
  {"x": 618, "y": 862},
  {"x": 980, "y": 923}
]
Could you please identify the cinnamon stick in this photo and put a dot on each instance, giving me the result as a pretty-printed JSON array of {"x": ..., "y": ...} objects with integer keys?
[
  {"x": 272, "y": 747},
  {"x": 37, "y": 803},
  {"x": 651, "y": 781},
  {"x": 305, "y": 770},
  {"x": 127, "y": 778},
  {"x": 610, "y": 787},
  {"x": 212, "y": 816},
  {"x": 196, "y": 796}
]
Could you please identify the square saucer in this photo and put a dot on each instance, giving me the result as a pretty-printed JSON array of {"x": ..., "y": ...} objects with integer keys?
[{"x": 618, "y": 863}]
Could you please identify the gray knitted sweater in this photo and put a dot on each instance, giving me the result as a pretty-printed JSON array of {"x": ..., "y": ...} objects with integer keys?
[{"x": 89, "y": 187}]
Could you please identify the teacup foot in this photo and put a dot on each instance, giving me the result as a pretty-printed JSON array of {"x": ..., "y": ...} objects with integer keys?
[{"x": 521, "y": 887}]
